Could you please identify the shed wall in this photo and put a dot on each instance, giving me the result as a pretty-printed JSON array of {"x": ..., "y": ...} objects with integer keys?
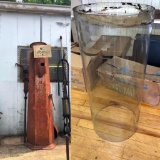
[{"x": 18, "y": 29}]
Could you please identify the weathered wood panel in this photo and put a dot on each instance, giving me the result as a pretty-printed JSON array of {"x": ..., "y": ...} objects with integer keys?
[{"x": 86, "y": 144}]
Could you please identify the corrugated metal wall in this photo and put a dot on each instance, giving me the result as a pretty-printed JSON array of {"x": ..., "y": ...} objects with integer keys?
[{"x": 23, "y": 29}]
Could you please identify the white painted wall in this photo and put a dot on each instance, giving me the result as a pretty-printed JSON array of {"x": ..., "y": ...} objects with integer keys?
[{"x": 17, "y": 29}]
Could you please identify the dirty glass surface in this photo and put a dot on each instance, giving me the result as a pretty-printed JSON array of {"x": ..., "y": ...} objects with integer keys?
[{"x": 114, "y": 38}]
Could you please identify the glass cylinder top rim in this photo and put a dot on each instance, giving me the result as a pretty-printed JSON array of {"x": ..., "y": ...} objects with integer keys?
[{"x": 143, "y": 8}]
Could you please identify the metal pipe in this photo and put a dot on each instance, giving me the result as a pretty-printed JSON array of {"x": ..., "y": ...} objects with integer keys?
[
  {"x": 25, "y": 104},
  {"x": 41, "y": 28},
  {"x": 61, "y": 47},
  {"x": 25, "y": 80},
  {"x": 67, "y": 146}
]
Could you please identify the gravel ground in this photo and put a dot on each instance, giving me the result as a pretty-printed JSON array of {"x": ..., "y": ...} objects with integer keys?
[{"x": 21, "y": 152}]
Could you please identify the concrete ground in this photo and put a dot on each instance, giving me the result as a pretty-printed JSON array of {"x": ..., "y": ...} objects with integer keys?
[{"x": 12, "y": 148}]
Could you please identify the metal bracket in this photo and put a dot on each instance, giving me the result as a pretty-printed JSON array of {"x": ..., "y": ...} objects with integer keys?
[{"x": 51, "y": 97}]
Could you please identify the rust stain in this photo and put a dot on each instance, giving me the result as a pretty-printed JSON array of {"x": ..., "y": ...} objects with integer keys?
[{"x": 40, "y": 133}]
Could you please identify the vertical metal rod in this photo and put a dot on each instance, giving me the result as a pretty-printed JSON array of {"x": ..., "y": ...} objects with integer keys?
[
  {"x": 67, "y": 147},
  {"x": 25, "y": 135},
  {"x": 61, "y": 47},
  {"x": 25, "y": 80},
  {"x": 41, "y": 28}
]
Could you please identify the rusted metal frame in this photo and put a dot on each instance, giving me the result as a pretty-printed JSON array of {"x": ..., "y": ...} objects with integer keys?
[
  {"x": 39, "y": 136},
  {"x": 35, "y": 8}
]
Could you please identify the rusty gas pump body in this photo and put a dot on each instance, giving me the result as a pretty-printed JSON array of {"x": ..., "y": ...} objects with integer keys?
[{"x": 40, "y": 132}]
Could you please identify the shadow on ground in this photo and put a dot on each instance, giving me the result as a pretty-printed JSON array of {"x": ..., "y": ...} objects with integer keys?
[{"x": 21, "y": 152}]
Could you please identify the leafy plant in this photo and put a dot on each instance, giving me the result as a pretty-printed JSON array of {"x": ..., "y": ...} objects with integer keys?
[{"x": 57, "y": 2}]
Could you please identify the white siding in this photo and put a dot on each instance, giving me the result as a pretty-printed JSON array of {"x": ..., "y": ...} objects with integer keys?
[{"x": 23, "y": 29}]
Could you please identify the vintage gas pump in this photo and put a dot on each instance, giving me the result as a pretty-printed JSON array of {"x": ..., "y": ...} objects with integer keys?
[{"x": 40, "y": 127}]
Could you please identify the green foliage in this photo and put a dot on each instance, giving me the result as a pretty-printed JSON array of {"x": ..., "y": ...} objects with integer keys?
[
  {"x": 58, "y": 2},
  {"x": 63, "y": 2}
]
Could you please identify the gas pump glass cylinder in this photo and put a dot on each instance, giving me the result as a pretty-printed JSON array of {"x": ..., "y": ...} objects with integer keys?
[{"x": 113, "y": 39}]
